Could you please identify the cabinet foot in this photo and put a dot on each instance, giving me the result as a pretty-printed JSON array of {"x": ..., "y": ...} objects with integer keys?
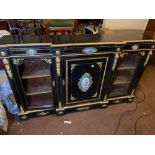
[
  {"x": 59, "y": 113},
  {"x": 104, "y": 105},
  {"x": 130, "y": 100},
  {"x": 23, "y": 117}
]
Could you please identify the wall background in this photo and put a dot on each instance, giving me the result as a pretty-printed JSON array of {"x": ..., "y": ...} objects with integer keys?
[{"x": 125, "y": 24}]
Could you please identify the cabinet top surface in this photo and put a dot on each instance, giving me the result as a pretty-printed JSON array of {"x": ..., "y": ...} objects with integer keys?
[{"x": 72, "y": 39}]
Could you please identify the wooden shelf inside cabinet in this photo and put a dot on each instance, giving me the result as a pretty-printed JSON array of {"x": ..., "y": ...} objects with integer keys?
[
  {"x": 119, "y": 90},
  {"x": 121, "y": 82},
  {"x": 36, "y": 73},
  {"x": 126, "y": 67},
  {"x": 35, "y": 70},
  {"x": 41, "y": 100},
  {"x": 129, "y": 61},
  {"x": 38, "y": 92},
  {"x": 37, "y": 85},
  {"x": 124, "y": 76}
]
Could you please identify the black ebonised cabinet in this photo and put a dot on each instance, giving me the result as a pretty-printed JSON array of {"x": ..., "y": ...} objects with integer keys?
[{"x": 58, "y": 74}]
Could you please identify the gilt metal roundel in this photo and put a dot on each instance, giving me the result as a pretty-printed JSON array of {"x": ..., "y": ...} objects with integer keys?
[{"x": 85, "y": 82}]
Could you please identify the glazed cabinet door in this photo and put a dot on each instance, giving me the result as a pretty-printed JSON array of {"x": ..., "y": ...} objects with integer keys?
[
  {"x": 128, "y": 72},
  {"x": 34, "y": 79},
  {"x": 84, "y": 79}
]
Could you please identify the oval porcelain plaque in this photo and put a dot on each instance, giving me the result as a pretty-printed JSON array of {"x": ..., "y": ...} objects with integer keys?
[
  {"x": 135, "y": 47},
  {"x": 85, "y": 82},
  {"x": 31, "y": 51},
  {"x": 89, "y": 50}
]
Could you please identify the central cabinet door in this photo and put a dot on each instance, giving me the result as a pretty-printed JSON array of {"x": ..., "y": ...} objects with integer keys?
[{"x": 84, "y": 79}]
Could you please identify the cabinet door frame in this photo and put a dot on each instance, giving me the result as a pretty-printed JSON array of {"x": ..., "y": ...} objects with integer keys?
[
  {"x": 64, "y": 83},
  {"x": 140, "y": 69},
  {"x": 136, "y": 77},
  {"x": 16, "y": 61}
]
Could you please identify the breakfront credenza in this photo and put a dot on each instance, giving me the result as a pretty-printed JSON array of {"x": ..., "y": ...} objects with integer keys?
[{"x": 55, "y": 74}]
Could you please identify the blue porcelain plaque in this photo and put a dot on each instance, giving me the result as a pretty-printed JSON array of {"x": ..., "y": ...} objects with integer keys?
[
  {"x": 85, "y": 82},
  {"x": 89, "y": 50},
  {"x": 31, "y": 52}
]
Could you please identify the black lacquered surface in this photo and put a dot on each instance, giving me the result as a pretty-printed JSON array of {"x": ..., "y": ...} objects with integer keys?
[{"x": 67, "y": 39}]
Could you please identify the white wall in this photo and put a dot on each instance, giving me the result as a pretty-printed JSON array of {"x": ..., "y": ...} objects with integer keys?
[{"x": 125, "y": 23}]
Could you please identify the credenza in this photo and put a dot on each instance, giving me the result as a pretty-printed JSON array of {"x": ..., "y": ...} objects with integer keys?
[{"x": 58, "y": 74}]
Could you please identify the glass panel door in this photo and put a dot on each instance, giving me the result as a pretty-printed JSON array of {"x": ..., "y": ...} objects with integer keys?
[
  {"x": 37, "y": 83},
  {"x": 124, "y": 75}
]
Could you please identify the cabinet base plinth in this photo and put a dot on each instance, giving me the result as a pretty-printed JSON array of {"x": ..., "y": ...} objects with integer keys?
[
  {"x": 128, "y": 99},
  {"x": 35, "y": 113}
]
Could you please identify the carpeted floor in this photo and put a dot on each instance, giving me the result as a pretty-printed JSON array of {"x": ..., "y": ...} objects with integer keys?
[{"x": 97, "y": 121}]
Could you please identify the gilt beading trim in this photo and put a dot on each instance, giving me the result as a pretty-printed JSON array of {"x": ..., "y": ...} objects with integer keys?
[
  {"x": 58, "y": 65},
  {"x": 148, "y": 57},
  {"x": 115, "y": 61}
]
